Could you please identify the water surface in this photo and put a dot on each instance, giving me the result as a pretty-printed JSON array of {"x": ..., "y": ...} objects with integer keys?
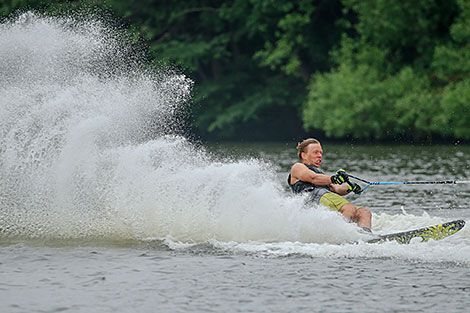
[{"x": 104, "y": 208}]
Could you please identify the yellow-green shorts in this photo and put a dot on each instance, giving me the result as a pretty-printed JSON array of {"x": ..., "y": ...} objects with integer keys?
[{"x": 333, "y": 201}]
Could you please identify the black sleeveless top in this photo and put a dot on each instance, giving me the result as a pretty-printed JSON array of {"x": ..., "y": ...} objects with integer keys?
[{"x": 301, "y": 186}]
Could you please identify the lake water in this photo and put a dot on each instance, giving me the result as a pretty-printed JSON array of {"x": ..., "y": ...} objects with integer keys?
[
  {"x": 314, "y": 268},
  {"x": 104, "y": 209}
]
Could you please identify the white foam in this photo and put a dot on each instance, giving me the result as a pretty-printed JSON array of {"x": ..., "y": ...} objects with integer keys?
[{"x": 87, "y": 149}]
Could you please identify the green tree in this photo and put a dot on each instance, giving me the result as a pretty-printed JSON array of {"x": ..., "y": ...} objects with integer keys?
[
  {"x": 368, "y": 69},
  {"x": 251, "y": 60},
  {"x": 401, "y": 74}
]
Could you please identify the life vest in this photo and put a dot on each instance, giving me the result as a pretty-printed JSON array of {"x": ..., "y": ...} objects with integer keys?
[{"x": 301, "y": 186}]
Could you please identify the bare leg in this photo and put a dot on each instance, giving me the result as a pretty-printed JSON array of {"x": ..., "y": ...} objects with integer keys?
[
  {"x": 361, "y": 216},
  {"x": 364, "y": 217}
]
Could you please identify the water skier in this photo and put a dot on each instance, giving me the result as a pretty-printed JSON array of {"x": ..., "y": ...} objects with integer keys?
[{"x": 305, "y": 176}]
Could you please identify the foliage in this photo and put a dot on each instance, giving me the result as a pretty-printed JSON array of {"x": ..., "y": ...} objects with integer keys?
[
  {"x": 366, "y": 69},
  {"x": 357, "y": 102},
  {"x": 402, "y": 74},
  {"x": 249, "y": 58}
]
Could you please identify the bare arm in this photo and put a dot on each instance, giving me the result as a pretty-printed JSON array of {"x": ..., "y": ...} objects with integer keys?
[
  {"x": 300, "y": 172},
  {"x": 342, "y": 190}
]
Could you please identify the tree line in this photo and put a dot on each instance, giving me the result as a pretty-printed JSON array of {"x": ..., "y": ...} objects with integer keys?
[{"x": 276, "y": 70}]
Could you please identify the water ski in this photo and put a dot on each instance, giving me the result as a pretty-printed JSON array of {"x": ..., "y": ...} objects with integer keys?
[{"x": 435, "y": 232}]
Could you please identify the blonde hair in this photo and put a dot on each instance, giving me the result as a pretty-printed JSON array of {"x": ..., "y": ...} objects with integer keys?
[{"x": 302, "y": 146}]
